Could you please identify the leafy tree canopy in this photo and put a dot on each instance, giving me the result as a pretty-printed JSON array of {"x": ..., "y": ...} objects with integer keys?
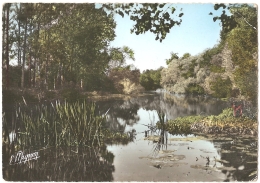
[
  {"x": 173, "y": 56},
  {"x": 154, "y": 17}
]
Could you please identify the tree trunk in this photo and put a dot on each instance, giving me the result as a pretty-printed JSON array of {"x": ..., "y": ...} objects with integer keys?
[
  {"x": 7, "y": 46},
  {"x": 24, "y": 52},
  {"x": 3, "y": 37},
  {"x": 46, "y": 73},
  {"x": 29, "y": 67},
  {"x": 19, "y": 39},
  {"x": 36, "y": 56}
]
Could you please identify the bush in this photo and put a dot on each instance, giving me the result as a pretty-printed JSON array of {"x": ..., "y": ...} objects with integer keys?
[
  {"x": 150, "y": 79},
  {"x": 194, "y": 89},
  {"x": 217, "y": 69},
  {"x": 222, "y": 87}
]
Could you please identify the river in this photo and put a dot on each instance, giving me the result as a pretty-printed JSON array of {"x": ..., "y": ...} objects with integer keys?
[{"x": 186, "y": 158}]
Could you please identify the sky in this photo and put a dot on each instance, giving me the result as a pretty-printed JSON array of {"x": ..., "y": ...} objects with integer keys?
[{"x": 196, "y": 33}]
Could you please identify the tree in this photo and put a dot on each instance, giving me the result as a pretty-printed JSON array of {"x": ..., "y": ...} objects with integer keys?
[
  {"x": 222, "y": 87},
  {"x": 242, "y": 41},
  {"x": 185, "y": 55},
  {"x": 123, "y": 78},
  {"x": 240, "y": 32},
  {"x": 173, "y": 56},
  {"x": 118, "y": 56},
  {"x": 153, "y": 17},
  {"x": 6, "y": 32},
  {"x": 150, "y": 79}
]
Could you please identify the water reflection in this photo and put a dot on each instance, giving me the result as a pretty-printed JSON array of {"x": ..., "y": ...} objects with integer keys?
[
  {"x": 241, "y": 154},
  {"x": 125, "y": 112},
  {"x": 64, "y": 164},
  {"x": 183, "y": 160}
]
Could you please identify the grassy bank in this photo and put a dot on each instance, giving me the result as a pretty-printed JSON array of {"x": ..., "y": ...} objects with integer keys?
[{"x": 214, "y": 124}]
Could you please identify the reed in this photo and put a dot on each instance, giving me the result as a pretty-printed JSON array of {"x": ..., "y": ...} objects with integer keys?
[{"x": 58, "y": 124}]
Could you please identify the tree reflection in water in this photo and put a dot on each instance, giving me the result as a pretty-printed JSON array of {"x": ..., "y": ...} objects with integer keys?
[
  {"x": 121, "y": 113},
  {"x": 63, "y": 164},
  {"x": 124, "y": 113},
  {"x": 241, "y": 155},
  {"x": 96, "y": 164}
]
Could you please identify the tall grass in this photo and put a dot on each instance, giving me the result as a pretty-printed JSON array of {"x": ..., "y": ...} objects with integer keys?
[{"x": 57, "y": 124}]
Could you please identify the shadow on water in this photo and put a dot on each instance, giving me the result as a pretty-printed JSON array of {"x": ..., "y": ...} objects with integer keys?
[
  {"x": 241, "y": 154},
  {"x": 64, "y": 164}
]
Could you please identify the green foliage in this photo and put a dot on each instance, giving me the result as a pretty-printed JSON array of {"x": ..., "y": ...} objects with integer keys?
[
  {"x": 59, "y": 124},
  {"x": 190, "y": 72},
  {"x": 185, "y": 55},
  {"x": 224, "y": 123},
  {"x": 239, "y": 30},
  {"x": 152, "y": 17},
  {"x": 116, "y": 137},
  {"x": 242, "y": 40},
  {"x": 118, "y": 56},
  {"x": 180, "y": 125},
  {"x": 217, "y": 69},
  {"x": 222, "y": 87},
  {"x": 247, "y": 82},
  {"x": 209, "y": 53},
  {"x": 174, "y": 56},
  {"x": 62, "y": 124},
  {"x": 150, "y": 79},
  {"x": 119, "y": 74},
  {"x": 226, "y": 113},
  {"x": 240, "y": 14},
  {"x": 195, "y": 89}
]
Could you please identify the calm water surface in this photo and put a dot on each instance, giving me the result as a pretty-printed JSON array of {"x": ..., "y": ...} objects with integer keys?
[{"x": 177, "y": 158}]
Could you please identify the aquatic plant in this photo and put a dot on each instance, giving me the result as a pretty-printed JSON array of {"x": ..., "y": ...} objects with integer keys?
[
  {"x": 57, "y": 124},
  {"x": 60, "y": 124},
  {"x": 180, "y": 125},
  {"x": 225, "y": 122}
]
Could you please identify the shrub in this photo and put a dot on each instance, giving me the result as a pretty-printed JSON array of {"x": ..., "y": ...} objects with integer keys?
[
  {"x": 222, "y": 87},
  {"x": 194, "y": 89}
]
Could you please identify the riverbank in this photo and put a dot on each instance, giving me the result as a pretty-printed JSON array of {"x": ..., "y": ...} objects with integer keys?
[
  {"x": 15, "y": 95},
  {"x": 224, "y": 123}
]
